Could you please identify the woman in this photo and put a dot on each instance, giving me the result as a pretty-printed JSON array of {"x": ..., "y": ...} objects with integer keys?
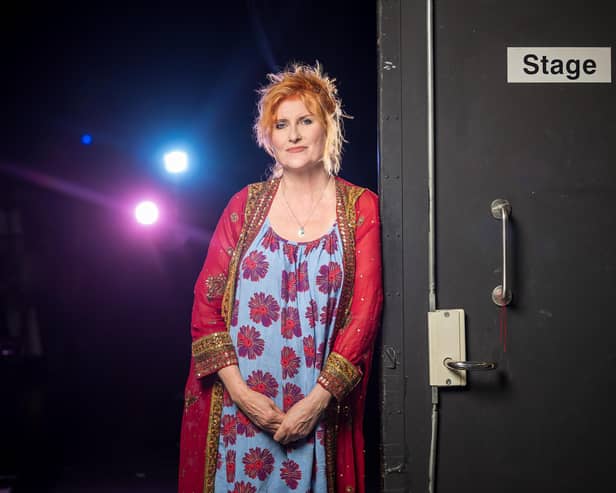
[{"x": 285, "y": 312}]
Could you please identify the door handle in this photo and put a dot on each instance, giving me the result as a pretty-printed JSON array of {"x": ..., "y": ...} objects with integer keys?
[
  {"x": 469, "y": 365},
  {"x": 501, "y": 209}
]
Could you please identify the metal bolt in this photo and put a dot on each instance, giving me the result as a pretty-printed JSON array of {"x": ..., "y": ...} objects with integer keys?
[
  {"x": 448, "y": 381},
  {"x": 446, "y": 314}
]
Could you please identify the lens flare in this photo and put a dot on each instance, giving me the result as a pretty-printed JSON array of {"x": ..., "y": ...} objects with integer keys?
[
  {"x": 146, "y": 212},
  {"x": 176, "y": 162}
]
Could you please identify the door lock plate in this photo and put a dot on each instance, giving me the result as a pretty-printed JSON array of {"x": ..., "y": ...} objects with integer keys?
[{"x": 447, "y": 341}]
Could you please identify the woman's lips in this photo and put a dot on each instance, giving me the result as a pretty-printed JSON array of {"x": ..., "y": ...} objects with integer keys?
[{"x": 296, "y": 149}]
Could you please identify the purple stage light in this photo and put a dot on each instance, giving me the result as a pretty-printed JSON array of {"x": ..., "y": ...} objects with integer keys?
[{"x": 146, "y": 213}]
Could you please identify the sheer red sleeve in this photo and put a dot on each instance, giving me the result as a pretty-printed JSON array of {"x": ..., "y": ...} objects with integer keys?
[
  {"x": 212, "y": 348},
  {"x": 352, "y": 349}
]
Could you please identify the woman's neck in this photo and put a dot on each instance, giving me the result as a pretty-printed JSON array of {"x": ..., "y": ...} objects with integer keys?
[{"x": 305, "y": 182}]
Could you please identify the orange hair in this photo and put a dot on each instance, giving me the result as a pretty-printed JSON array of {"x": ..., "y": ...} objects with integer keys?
[{"x": 318, "y": 92}]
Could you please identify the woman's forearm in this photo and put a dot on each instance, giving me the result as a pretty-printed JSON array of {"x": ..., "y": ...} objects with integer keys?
[{"x": 233, "y": 382}]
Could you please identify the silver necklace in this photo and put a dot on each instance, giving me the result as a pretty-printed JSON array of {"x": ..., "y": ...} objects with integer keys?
[{"x": 301, "y": 231}]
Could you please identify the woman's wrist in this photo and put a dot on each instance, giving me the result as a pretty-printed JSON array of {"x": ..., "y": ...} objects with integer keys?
[
  {"x": 238, "y": 393},
  {"x": 234, "y": 383},
  {"x": 320, "y": 397}
]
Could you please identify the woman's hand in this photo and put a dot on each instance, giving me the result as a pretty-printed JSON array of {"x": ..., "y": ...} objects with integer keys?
[
  {"x": 258, "y": 408},
  {"x": 303, "y": 416}
]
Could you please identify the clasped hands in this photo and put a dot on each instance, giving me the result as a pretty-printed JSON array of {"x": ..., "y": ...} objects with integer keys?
[
  {"x": 295, "y": 424},
  {"x": 287, "y": 427}
]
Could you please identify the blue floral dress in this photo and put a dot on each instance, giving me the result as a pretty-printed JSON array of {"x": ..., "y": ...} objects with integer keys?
[{"x": 283, "y": 317}]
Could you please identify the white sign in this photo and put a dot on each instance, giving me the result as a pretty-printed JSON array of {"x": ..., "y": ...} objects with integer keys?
[{"x": 559, "y": 64}]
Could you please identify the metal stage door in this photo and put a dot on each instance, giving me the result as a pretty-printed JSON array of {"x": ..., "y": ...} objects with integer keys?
[{"x": 543, "y": 421}]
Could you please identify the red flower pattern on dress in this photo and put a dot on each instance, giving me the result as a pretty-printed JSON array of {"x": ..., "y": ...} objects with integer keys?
[
  {"x": 255, "y": 266},
  {"x": 331, "y": 243},
  {"x": 309, "y": 351},
  {"x": 302, "y": 277},
  {"x": 290, "y": 473},
  {"x": 318, "y": 361},
  {"x": 311, "y": 245},
  {"x": 290, "y": 362},
  {"x": 228, "y": 429},
  {"x": 243, "y": 487},
  {"x": 234, "y": 312},
  {"x": 290, "y": 251},
  {"x": 258, "y": 462},
  {"x": 288, "y": 287},
  {"x": 291, "y": 394},
  {"x": 249, "y": 342},
  {"x": 289, "y": 323},
  {"x": 244, "y": 425},
  {"x": 264, "y": 383},
  {"x": 270, "y": 240},
  {"x": 329, "y": 278},
  {"x": 230, "y": 466},
  {"x": 226, "y": 398},
  {"x": 328, "y": 312},
  {"x": 312, "y": 313},
  {"x": 263, "y": 309}
]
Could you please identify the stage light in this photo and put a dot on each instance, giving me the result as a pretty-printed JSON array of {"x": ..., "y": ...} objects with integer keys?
[
  {"x": 146, "y": 213},
  {"x": 86, "y": 139},
  {"x": 176, "y": 161}
]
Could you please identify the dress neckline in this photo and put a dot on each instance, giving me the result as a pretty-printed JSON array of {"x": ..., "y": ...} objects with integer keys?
[{"x": 293, "y": 242}]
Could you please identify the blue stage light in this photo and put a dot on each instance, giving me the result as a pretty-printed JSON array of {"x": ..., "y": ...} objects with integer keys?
[
  {"x": 86, "y": 139},
  {"x": 176, "y": 162}
]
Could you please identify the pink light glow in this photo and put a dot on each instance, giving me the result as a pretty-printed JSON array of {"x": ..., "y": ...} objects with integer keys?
[{"x": 146, "y": 213}]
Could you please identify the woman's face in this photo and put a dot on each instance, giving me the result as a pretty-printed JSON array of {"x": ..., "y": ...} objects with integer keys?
[{"x": 298, "y": 137}]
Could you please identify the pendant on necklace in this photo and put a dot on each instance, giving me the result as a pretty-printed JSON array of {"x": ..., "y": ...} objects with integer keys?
[{"x": 301, "y": 232}]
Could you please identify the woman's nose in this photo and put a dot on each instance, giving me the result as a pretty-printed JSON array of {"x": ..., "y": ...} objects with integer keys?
[{"x": 294, "y": 135}]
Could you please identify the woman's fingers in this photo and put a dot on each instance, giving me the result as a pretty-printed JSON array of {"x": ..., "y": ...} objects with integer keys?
[
  {"x": 262, "y": 411},
  {"x": 281, "y": 435},
  {"x": 299, "y": 421}
]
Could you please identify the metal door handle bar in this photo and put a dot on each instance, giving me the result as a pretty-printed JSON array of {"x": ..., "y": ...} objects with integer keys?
[
  {"x": 469, "y": 365},
  {"x": 501, "y": 209}
]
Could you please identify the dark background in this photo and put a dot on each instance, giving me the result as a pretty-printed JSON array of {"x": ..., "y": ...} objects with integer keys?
[{"x": 96, "y": 406}]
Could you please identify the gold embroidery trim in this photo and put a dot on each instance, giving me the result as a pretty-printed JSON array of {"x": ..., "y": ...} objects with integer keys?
[
  {"x": 260, "y": 196},
  {"x": 331, "y": 434},
  {"x": 213, "y": 352},
  {"x": 215, "y": 286},
  {"x": 339, "y": 375},
  {"x": 212, "y": 343},
  {"x": 346, "y": 198},
  {"x": 211, "y": 446}
]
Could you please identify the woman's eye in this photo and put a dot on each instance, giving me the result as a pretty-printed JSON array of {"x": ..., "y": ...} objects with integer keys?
[
  {"x": 307, "y": 121},
  {"x": 280, "y": 125}
]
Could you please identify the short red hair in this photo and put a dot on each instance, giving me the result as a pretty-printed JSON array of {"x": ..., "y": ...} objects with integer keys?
[{"x": 320, "y": 95}]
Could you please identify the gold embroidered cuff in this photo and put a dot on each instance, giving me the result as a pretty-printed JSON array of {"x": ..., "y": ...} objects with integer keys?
[
  {"x": 213, "y": 352},
  {"x": 339, "y": 376}
]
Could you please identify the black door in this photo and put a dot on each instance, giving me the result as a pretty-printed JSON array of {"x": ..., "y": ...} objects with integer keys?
[{"x": 544, "y": 421}]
